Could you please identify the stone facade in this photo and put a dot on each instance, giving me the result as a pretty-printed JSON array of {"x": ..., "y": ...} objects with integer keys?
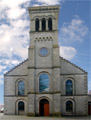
[{"x": 58, "y": 69}]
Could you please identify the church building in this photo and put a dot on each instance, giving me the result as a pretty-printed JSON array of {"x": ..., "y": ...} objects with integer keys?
[{"x": 45, "y": 84}]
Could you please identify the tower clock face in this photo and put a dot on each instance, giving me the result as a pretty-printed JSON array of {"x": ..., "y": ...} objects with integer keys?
[{"x": 43, "y": 51}]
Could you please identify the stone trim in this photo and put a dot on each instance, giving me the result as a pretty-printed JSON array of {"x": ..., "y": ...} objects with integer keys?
[
  {"x": 58, "y": 92},
  {"x": 43, "y": 31},
  {"x": 43, "y": 39},
  {"x": 43, "y": 8},
  {"x": 38, "y": 12},
  {"x": 44, "y": 67},
  {"x": 43, "y": 16},
  {"x": 73, "y": 74},
  {"x": 16, "y": 75},
  {"x": 75, "y": 95},
  {"x": 15, "y": 96}
]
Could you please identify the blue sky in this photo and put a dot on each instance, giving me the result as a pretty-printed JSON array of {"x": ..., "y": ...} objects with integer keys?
[{"x": 74, "y": 33}]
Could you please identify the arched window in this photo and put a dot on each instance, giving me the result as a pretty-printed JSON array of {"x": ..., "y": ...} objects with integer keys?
[
  {"x": 43, "y": 83},
  {"x": 69, "y": 87},
  {"x": 21, "y": 88},
  {"x": 43, "y": 24},
  {"x": 21, "y": 106},
  {"x": 69, "y": 106},
  {"x": 50, "y": 24},
  {"x": 37, "y": 24}
]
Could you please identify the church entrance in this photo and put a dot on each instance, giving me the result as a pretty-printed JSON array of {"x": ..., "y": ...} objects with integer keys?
[
  {"x": 44, "y": 107},
  {"x": 89, "y": 108}
]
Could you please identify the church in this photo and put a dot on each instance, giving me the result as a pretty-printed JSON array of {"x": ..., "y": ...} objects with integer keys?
[{"x": 45, "y": 84}]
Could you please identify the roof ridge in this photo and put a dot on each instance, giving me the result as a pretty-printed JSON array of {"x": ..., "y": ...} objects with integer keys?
[
  {"x": 73, "y": 64},
  {"x": 15, "y": 67}
]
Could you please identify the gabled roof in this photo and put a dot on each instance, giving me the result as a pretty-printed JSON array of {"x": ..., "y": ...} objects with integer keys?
[
  {"x": 15, "y": 67},
  {"x": 74, "y": 67}
]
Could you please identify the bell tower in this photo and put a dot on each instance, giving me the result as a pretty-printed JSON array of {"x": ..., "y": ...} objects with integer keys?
[
  {"x": 43, "y": 31},
  {"x": 43, "y": 54}
]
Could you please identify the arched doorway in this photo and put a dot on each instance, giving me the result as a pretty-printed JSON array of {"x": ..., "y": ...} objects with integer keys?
[
  {"x": 21, "y": 108},
  {"x": 44, "y": 107},
  {"x": 89, "y": 108}
]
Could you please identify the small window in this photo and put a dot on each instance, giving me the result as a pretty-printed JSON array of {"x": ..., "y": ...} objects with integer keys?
[
  {"x": 43, "y": 83},
  {"x": 50, "y": 24},
  {"x": 21, "y": 106},
  {"x": 69, "y": 106},
  {"x": 21, "y": 88},
  {"x": 69, "y": 87},
  {"x": 44, "y": 51},
  {"x": 43, "y": 24},
  {"x": 37, "y": 25}
]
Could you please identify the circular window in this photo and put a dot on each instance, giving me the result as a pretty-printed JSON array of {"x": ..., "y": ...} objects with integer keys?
[{"x": 43, "y": 51}]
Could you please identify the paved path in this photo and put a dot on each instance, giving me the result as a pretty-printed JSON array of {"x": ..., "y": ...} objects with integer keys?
[{"x": 13, "y": 117}]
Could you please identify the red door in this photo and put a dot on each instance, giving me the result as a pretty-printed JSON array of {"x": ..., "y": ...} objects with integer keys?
[{"x": 46, "y": 109}]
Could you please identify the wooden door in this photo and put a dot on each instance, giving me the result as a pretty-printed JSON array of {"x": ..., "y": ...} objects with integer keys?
[{"x": 46, "y": 109}]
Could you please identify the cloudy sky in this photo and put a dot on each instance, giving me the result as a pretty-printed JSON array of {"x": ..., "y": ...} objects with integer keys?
[{"x": 74, "y": 33}]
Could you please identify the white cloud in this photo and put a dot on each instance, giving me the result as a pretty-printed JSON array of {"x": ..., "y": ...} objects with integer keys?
[
  {"x": 12, "y": 3},
  {"x": 15, "y": 13},
  {"x": 2, "y": 68},
  {"x": 36, "y": 5},
  {"x": 12, "y": 8},
  {"x": 76, "y": 30},
  {"x": 50, "y": 2},
  {"x": 14, "y": 34},
  {"x": 67, "y": 52},
  {"x": 1, "y": 76},
  {"x": 1, "y": 82},
  {"x": 14, "y": 38}
]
